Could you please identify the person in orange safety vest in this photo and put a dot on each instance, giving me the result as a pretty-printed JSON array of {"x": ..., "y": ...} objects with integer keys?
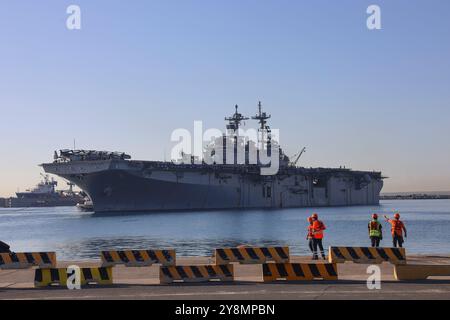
[
  {"x": 317, "y": 232},
  {"x": 397, "y": 230}
]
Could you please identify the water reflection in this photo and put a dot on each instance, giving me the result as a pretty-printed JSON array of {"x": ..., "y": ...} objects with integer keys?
[{"x": 80, "y": 235}]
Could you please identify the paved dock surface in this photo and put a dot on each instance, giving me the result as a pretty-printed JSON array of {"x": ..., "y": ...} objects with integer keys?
[{"x": 143, "y": 283}]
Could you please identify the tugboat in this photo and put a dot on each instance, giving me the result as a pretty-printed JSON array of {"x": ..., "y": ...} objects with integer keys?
[{"x": 86, "y": 204}]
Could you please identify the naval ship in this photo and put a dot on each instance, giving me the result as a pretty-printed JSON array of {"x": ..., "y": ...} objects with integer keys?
[
  {"x": 44, "y": 194},
  {"x": 115, "y": 183}
]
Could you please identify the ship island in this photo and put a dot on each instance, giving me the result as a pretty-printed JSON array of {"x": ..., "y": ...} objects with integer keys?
[{"x": 116, "y": 183}]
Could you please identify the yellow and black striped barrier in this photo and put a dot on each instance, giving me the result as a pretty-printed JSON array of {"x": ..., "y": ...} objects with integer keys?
[
  {"x": 59, "y": 276},
  {"x": 138, "y": 258},
  {"x": 367, "y": 255},
  {"x": 22, "y": 260},
  {"x": 299, "y": 271},
  {"x": 200, "y": 273},
  {"x": 248, "y": 255}
]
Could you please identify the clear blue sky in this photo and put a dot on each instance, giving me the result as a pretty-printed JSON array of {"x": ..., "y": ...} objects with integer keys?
[{"x": 377, "y": 100}]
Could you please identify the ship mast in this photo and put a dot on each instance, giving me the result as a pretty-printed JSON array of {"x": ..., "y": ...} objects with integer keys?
[
  {"x": 262, "y": 118},
  {"x": 233, "y": 126},
  {"x": 264, "y": 136},
  {"x": 235, "y": 120}
]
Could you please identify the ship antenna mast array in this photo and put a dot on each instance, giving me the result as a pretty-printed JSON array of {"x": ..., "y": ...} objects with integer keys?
[
  {"x": 235, "y": 120},
  {"x": 262, "y": 118}
]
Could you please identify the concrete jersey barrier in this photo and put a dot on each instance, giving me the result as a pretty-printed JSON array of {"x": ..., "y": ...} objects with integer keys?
[
  {"x": 22, "y": 260},
  {"x": 138, "y": 258},
  {"x": 58, "y": 276},
  {"x": 299, "y": 271},
  {"x": 421, "y": 271},
  {"x": 367, "y": 255},
  {"x": 251, "y": 255},
  {"x": 200, "y": 273}
]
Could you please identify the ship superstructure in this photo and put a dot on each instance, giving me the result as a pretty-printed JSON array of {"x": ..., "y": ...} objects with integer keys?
[{"x": 114, "y": 182}]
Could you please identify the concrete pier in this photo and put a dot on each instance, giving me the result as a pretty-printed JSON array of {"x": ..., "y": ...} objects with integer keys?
[{"x": 143, "y": 283}]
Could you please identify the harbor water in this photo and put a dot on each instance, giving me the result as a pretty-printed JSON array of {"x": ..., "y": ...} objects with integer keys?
[{"x": 76, "y": 235}]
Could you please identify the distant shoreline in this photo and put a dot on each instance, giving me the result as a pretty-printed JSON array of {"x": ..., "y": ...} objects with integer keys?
[{"x": 415, "y": 196}]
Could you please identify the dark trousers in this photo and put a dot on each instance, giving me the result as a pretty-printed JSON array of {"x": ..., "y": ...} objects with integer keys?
[
  {"x": 375, "y": 241},
  {"x": 311, "y": 245},
  {"x": 318, "y": 243},
  {"x": 396, "y": 239}
]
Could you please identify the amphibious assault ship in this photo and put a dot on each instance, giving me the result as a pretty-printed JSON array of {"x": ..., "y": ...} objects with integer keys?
[{"x": 115, "y": 183}]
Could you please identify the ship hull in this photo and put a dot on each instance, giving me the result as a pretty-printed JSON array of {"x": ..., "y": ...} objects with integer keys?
[
  {"x": 123, "y": 186},
  {"x": 45, "y": 202}
]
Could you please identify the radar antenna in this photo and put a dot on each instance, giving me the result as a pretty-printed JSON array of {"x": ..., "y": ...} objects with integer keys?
[{"x": 235, "y": 120}]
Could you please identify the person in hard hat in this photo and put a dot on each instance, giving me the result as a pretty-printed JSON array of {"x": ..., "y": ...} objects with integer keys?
[
  {"x": 309, "y": 236},
  {"x": 317, "y": 228},
  {"x": 375, "y": 232},
  {"x": 397, "y": 230}
]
